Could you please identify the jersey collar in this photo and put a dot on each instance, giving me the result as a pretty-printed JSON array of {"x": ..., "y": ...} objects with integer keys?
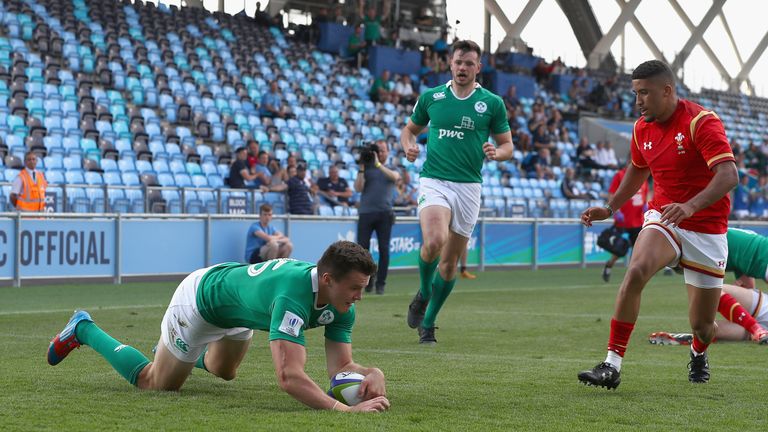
[
  {"x": 449, "y": 84},
  {"x": 315, "y": 288}
]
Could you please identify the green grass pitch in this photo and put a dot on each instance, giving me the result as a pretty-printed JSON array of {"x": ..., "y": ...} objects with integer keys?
[{"x": 510, "y": 346}]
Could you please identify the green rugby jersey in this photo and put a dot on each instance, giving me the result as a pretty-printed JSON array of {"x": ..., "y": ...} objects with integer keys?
[
  {"x": 747, "y": 253},
  {"x": 458, "y": 128},
  {"x": 279, "y": 296}
]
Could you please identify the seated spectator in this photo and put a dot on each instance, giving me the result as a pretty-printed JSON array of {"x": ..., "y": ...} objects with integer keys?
[
  {"x": 333, "y": 189},
  {"x": 606, "y": 156},
  {"x": 511, "y": 101},
  {"x": 569, "y": 189},
  {"x": 542, "y": 71},
  {"x": 405, "y": 193},
  {"x": 741, "y": 198},
  {"x": 404, "y": 90},
  {"x": 263, "y": 241},
  {"x": 253, "y": 153},
  {"x": 261, "y": 172},
  {"x": 758, "y": 205},
  {"x": 299, "y": 194},
  {"x": 279, "y": 177},
  {"x": 272, "y": 104},
  {"x": 754, "y": 159},
  {"x": 356, "y": 47},
  {"x": 538, "y": 164},
  {"x": 338, "y": 15},
  {"x": 383, "y": 89},
  {"x": 541, "y": 137},
  {"x": 239, "y": 172}
]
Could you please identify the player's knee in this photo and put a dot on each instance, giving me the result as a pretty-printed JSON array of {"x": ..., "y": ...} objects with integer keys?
[
  {"x": 228, "y": 375},
  {"x": 434, "y": 244},
  {"x": 448, "y": 268},
  {"x": 639, "y": 273}
]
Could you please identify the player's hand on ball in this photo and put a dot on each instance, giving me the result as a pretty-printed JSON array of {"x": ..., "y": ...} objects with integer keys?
[
  {"x": 377, "y": 404},
  {"x": 594, "y": 214},
  {"x": 373, "y": 386},
  {"x": 412, "y": 153},
  {"x": 490, "y": 151}
]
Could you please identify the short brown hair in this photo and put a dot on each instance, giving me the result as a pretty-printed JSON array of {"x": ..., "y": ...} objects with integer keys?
[
  {"x": 466, "y": 46},
  {"x": 343, "y": 257},
  {"x": 265, "y": 208}
]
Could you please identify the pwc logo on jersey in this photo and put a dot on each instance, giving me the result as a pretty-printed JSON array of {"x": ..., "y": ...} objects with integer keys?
[
  {"x": 326, "y": 317},
  {"x": 291, "y": 324}
]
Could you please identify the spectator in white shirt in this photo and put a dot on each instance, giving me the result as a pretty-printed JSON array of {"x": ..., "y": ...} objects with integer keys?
[
  {"x": 404, "y": 88},
  {"x": 606, "y": 156}
]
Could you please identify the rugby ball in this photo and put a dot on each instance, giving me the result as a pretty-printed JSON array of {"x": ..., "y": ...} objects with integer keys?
[{"x": 344, "y": 387}]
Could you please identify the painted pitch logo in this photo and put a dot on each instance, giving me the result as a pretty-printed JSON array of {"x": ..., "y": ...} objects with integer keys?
[{"x": 481, "y": 107}]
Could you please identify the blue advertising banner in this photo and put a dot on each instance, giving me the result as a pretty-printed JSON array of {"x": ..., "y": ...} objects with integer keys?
[
  {"x": 162, "y": 246},
  {"x": 559, "y": 244},
  {"x": 311, "y": 238},
  {"x": 508, "y": 244},
  {"x": 7, "y": 248},
  {"x": 66, "y": 247}
]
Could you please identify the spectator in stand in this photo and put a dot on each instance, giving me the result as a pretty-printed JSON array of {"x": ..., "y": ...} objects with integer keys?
[
  {"x": 253, "y": 153},
  {"x": 575, "y": 94},
  {"x": 440, "y": 47},
  {"x": 338, "y": 15},
  {"x": 758, "y": 206},
  {"x": 754, "y": 159},
  {"x": 373, "y": 21},
  {"x": 404, "y": 90},
  {"x": 511, "y": 100},
  {"x": 333, "y": 189},
  {"x": 272, "y": 104},
  {"x": 261, "y": 16},
  {"x": 741, "y": 198},
  {"x": 239, "y": 172},
  {"x": 383, "y": 89},
  {"x": 261, "y": 171},
  {"x": 569, "y": 188},
  {"x": 278, "y": 176},
  {"x": 542, "y": 72},
  {"x": 606, "y": 156},
  {"x": 542, "y": 164},
  {"x": 356, "y": 47},
  {"x": 405, "y": 193},
  {"x": 299, "y": 194},
  {"x": 541, "y": 137}
]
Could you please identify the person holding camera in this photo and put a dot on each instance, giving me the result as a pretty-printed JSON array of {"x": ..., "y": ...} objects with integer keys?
[{"x": 375, "y": 181}]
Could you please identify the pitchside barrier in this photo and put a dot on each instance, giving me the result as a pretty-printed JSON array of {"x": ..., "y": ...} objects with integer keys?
[{"x": 66, "y": 245}]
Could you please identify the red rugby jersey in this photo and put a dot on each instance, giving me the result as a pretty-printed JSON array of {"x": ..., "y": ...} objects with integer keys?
[
  {"x": 632, "y": 210},
  {"x": 680, "y": 154}
]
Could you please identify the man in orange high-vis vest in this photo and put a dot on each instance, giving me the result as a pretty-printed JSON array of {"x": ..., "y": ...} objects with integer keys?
[{"x": 28, "y": 188}]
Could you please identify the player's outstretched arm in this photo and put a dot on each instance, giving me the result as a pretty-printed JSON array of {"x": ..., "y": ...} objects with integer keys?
[
  {"x": 338, "y": 358},
  {"x": 289, "y": 359},
  {"x": 408, "y": 140}
]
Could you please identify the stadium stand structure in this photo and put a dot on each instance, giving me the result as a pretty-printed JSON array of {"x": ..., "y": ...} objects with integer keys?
[{"x": 137, "y": 108}]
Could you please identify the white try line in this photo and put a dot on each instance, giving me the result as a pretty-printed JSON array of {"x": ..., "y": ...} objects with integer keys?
[{"x": 91, "y": 308}]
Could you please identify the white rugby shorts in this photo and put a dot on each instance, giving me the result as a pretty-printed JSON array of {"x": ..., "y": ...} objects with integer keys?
[
  {"x": 702, "y": 256},
  {"x": 184, "y": 331},
  {"x": 463, "y": 199}
]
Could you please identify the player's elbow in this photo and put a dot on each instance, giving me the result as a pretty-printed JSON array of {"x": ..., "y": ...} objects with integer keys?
[{"x": 728, "y": 175}]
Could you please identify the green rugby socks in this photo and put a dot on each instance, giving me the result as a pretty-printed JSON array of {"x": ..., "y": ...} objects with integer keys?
[
  {"x": 126, "y": 360},
  {"x": 426, "y": 276},
  {"x": 441, "y": 290}
]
